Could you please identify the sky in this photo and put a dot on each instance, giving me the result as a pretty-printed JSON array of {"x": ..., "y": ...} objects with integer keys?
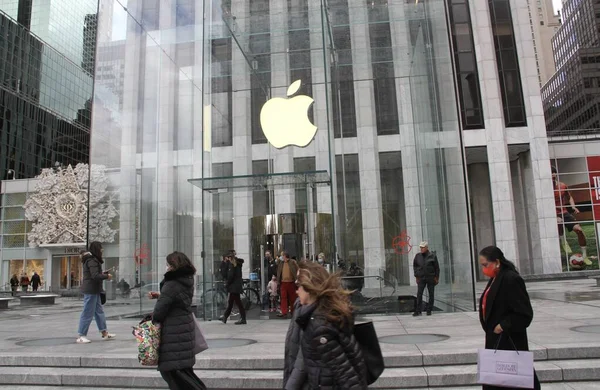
[{"x": 557, "y": 4}]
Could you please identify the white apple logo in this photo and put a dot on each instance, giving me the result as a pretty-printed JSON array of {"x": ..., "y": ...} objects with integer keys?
[{"x": 285, "y": 121}]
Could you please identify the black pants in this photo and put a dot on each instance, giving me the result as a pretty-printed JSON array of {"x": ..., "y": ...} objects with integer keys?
[
  {"x": 182, "y": 380},
  {"x": 430, "y": 284},
  {"x": 13, "y": 290},
  {"x": 238, "y": 302}
]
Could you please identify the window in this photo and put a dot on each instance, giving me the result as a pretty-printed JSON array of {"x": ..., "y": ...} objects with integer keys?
[
  {"x": 467, "y": 76},
  {"x": 507, "y": 64}
]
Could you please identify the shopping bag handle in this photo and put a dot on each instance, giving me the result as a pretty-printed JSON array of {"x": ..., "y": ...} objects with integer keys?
[{"x": 511, "y": 341}]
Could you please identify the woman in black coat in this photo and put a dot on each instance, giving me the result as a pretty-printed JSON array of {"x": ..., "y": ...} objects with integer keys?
[
  {"x": 173, "y": 311},
  {"x": 505, "y": 310},
  {"x": 332, "y": 358},
  {"x": 234, "y": 288}
]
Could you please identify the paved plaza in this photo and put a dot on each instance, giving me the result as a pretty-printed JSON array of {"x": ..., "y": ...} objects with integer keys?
[{"x": 37, "y": 347}]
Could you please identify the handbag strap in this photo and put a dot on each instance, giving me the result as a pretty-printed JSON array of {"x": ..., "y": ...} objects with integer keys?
[{"x": 511, "y": 341}]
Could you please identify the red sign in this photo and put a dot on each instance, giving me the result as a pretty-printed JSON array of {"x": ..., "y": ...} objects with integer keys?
[
  {"x": 142, "y": 254},
  {"x": 401, "y": 243},
  {"x": 594, "y": 172}
]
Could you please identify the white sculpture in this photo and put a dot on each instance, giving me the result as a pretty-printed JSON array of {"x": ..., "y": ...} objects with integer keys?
[{"x": 58, "y": 207}]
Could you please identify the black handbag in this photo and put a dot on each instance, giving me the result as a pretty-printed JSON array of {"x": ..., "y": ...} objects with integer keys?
[
  {"x": 366, "y": 337},
  {"x": 103, "y": 297}
]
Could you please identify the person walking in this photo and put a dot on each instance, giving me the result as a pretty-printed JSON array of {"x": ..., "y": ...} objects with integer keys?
[
  {"x": 91, "y": 287},
  {"x": 24, "y": 282},
  {"x": 427, "y": 272},
  {"x": 173, "y": 311},
  {"x": 332, "y": 358},
  {"x": 36, "y": 281},
  {"x": 14, "y": 285},
  {"x": 286, "y": 276},
  {"x": 505, "y": 310},
  {"x": 234, "y": 288}
]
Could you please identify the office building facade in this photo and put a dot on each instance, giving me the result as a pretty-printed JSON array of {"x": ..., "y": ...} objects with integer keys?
[{"x": 45, "y": 108}]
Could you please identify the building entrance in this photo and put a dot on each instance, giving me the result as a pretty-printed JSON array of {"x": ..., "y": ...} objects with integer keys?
[{"x": 303, "y": 234}]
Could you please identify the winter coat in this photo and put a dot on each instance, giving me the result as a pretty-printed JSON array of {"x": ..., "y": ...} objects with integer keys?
[
  {"x": 271, "y": 267},
  {"x": 173, "y": 311},
  {"x": 234, "y": 277},
  {"x": 426, "y": 265},
  {"x": 14, "y": 282},
  {"x": 293, "y": 269},
  {"x": 333, "y": 359},
  {"x": 36, "y": 280},
  {"x": 294, "y": 374},
  {"x": 92, "y": 274},
  {"x": 24, "y": 281},
  {"x": 507, "y": 304}
]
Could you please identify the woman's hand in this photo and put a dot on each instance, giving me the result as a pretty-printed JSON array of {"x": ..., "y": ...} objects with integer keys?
[
  {"x": 498, "y": 329},
  {"x": 153, "y": 295}
]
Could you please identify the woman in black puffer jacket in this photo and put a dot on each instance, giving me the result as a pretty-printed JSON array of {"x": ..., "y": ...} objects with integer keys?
[
  {"x": 173, "y": 311},
  {"x": 332, "y": 358}
]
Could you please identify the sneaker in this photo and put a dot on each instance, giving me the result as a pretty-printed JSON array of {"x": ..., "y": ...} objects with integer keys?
[
  {"x": 241, "y": 322},
  {"x": 108, "y": 336},
  {"x": 83, "y": 340},
  {"x": 223, "y": 319},
  {"x": 587, "y": 261}
]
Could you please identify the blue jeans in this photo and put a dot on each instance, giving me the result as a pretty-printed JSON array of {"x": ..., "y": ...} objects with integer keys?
[{"x": 92, "y": 308}]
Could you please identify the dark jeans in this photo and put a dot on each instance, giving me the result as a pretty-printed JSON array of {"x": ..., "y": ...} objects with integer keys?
[
  {"x": 430, "y": 284},
  {"x": 184, "y": 379},
  {"x": 238, "y": 302}
]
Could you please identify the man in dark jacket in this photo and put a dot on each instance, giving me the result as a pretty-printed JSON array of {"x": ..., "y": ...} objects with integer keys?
[
  {"x": 35, "y": 281},
  {"x": 287, "y": 272},
  {"x": 427, "y": 272}
]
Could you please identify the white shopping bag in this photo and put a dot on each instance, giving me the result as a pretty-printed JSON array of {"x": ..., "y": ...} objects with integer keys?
[{"x": 505, "y": 368}]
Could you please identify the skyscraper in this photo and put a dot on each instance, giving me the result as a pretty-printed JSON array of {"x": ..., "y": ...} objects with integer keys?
[
  {"x": 46, "y": 78},
  {"x": 571, "y": 96}
]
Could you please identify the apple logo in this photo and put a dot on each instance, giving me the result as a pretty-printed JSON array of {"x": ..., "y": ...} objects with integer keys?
[{"x": 285, "y": 122}]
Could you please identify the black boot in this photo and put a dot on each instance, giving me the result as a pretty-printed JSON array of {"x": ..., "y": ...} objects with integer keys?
[
  {"x": 223, "y": 319},
  {"x": 416, "y": 314},
  {"x": 242, "y": 321}
]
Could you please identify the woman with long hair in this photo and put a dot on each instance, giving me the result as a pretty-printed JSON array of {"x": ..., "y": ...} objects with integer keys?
[
  {"x": 505, "y": 310},
  {"x": 234, "y": 288},
  {"x": 331, "y": 356},
  {"x": 173, "y": 311},
  {"x": 91, "y": 287}
]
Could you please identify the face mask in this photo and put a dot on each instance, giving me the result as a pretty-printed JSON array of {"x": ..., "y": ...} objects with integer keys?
[
  {"x": 490, "y": 271},
  {"x": 321, "y": 261}
]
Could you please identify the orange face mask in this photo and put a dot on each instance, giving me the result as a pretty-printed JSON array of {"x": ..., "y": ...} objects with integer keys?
[{"x": 491, "y": 271}]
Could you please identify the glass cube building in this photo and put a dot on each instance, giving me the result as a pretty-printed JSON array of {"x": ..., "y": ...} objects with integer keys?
[{"x": 209, "y": 146}]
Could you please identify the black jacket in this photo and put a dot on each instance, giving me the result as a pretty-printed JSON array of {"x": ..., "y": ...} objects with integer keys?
[
  {"x": 92, "y": 274},
  {"x": 426, "y": 265},
  {"x": 507, "y": 304},
  {"x": 333, "y": 359},
  {"x": 14, "y": 282},
  {"x": 173, "y": 311},
  {"x": 234, "y": 277},
  {"x": 36, "y": 280},
  {"x": 271, "y": 267},
  {"x": 294, "y": 374}
]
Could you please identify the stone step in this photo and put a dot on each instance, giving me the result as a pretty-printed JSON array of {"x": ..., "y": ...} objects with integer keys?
[
  {"x": 547, "y": 386},
  {"x": 245, "y": 361},
  {"x": 392, "y": 378}
]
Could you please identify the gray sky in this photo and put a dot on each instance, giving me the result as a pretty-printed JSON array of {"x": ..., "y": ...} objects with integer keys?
[{"x": 557, "y": 4}]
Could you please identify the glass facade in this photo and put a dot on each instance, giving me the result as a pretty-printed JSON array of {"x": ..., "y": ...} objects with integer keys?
[
  {"x": 178, "y": 122},
  {"x": 45, "y": 102}
]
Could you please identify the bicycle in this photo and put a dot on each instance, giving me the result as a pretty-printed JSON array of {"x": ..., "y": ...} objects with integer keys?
[{"x": 250, "y": 295}]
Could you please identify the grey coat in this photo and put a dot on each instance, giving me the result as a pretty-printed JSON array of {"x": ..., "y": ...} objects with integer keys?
[
  {"x": 294, "y": 375},
  {"x": 92, "y": 274}
]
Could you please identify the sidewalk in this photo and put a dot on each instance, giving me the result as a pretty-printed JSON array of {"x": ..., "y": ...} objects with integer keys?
[{"x": 442, "y": 339}]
